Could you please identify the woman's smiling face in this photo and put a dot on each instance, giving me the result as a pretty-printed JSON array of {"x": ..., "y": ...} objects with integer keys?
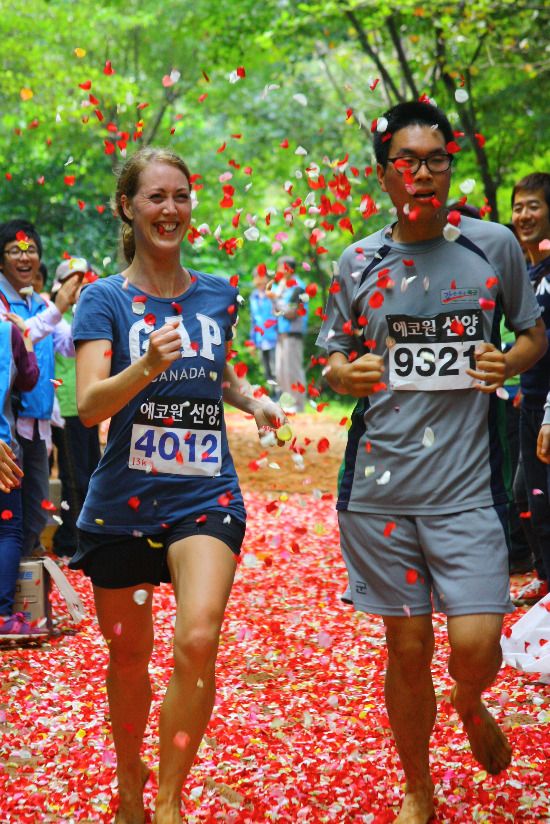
[{"x": 160, "y": 210}]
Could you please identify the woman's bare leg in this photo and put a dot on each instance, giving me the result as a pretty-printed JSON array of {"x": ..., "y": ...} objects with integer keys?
[
  {"x": 128, "y": 629},
  {"x": 202, "y": 570}
]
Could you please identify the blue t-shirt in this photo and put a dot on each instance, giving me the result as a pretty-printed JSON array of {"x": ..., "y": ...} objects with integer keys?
[
  {"x": 167, "y": 454},
  {"x": 261, "y": 310}
]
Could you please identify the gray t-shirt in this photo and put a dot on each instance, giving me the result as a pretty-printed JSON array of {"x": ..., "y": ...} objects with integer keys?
[{"x": 426, "y": 442}]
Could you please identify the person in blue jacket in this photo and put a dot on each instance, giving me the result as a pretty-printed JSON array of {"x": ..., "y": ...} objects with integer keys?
[
  {"x": 20, "y": 254},
  {"x": 291, "y": 311},
  {"x": 19, "y": 370},
  {"x": 263, "y": 326}
]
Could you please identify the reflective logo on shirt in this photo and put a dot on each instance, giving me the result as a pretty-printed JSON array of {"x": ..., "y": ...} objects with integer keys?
[{"x": 459, "y": 295}]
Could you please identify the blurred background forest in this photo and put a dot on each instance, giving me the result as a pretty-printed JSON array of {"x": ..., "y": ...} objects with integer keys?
[{"x": 271, "y": 105}]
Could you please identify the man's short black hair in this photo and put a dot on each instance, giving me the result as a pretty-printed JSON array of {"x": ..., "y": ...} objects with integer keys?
[
  {"x": 532, "y": 183},
  {"x": 9, "y": 229},
  {"x": 412, "y": 113}
]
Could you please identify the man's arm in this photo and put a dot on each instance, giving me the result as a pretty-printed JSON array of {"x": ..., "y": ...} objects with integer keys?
[
  {"x": 358, "y": 378},
  {"x": 493, "y": 366},
  {"x": 63, "y": 342},
  {"x": 543, "y": 440}
]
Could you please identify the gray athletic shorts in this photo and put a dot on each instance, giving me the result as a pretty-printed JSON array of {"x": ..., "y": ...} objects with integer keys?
[{"x": 408, "y": 565}]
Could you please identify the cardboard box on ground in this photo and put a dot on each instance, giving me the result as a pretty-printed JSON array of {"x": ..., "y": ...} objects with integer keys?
[{"x": 33, "y": 590}]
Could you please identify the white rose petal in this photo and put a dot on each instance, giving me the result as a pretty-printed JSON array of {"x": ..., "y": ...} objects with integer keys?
[
  {"x": 250, "y": 561},
  {"x": 467, "y": 186},
  {"x": 451, "y": 232},
  {"x": 429, "y": 437},
  {"x": 382, "y": 124},
  {"x": 300, "y": 98},
  {"x": 461, "y": 95},
  {"x": 301, "y": 151},
  {"x": 384, "y": 478},
  {"x": 252, "y": 233},
  {"x": 268, "y": 438},
  {"x": 140, "y": 596}
]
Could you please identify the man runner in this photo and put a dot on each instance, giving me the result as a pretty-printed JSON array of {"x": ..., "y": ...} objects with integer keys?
[{"x": 412, "y": 330}]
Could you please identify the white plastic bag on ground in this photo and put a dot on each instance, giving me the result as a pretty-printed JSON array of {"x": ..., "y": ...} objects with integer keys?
[{"x": 527, "y": 646}]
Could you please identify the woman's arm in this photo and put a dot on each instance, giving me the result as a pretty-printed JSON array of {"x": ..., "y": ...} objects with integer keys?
[
  {"x": 99, "y": 394},
  {"x": 238, "y": 393},
  {"x": 25, "y": 361}
]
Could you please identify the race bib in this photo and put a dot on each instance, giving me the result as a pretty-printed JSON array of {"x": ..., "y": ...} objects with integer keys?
[
  {"x": 180, "y": 437},
  {"x": 432, "y": 354}
]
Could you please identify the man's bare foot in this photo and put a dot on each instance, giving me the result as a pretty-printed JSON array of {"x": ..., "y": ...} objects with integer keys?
[
  {"x": 417, "y": 807},
  {"x": 489, "y": 744}
]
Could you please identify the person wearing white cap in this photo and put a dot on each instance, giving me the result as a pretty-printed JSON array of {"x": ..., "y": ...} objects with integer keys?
[{"x": 78, "y": 450}]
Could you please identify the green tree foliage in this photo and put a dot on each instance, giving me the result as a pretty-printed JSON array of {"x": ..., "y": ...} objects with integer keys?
[{"x": 274, "y": 100}]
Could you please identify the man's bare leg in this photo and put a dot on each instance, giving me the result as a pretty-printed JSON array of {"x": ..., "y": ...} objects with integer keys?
[
  {"x": 411, "y": 705},
  {"x": 474, "y": 663}
]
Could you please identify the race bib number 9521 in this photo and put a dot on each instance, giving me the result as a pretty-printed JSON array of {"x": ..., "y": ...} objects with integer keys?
[
  {"x": 432, "y": 354},
  {"x": 180, "y": 437}
]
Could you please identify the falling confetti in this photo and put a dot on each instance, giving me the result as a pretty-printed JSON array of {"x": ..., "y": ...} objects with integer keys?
[{"x": 140, "y": 596}]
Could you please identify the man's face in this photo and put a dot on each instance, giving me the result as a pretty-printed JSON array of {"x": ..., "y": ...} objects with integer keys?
[
  {"x": 420, "y": 193},
  {"x": 530, "y": 217},
  {"x": 20, "y": 263}
]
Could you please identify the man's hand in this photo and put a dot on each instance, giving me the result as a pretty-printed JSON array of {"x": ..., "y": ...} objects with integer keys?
[
  {"x": 164, "y": 348},
  {"x": 543, "y": 444},
  {"x": 67, "y": 292},
  {"x": 10, "y": 472},
  {"x": 490, "y": 368},
  {"x": 357, "y": 378}
]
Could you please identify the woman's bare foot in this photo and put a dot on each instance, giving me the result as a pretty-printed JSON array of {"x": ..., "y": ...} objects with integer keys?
[
  {"x": 131, "y": 809},
  {"x": 417, "y": 807},
  {"x": 489, "y": 744}
]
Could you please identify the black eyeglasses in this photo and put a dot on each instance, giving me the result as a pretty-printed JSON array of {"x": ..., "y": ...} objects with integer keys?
[
  {"x": 17, "y": 251},
  {"x": 436, "y": 163}
]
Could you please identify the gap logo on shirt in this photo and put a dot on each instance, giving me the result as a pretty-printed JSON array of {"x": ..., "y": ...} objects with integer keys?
[{"x": 210, "y": 336}]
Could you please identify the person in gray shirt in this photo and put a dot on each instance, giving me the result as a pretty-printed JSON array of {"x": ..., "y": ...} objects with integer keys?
[{"x": 412, "y": 331}]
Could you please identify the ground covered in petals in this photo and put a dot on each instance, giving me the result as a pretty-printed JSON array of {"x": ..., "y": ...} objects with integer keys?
[{"x": 299, "y": 732}]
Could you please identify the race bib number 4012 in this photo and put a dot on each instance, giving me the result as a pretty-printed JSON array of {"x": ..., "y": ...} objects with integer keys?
[
  {"x": 432, "y": 354},
  {"x": 180, "y": 437}
]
